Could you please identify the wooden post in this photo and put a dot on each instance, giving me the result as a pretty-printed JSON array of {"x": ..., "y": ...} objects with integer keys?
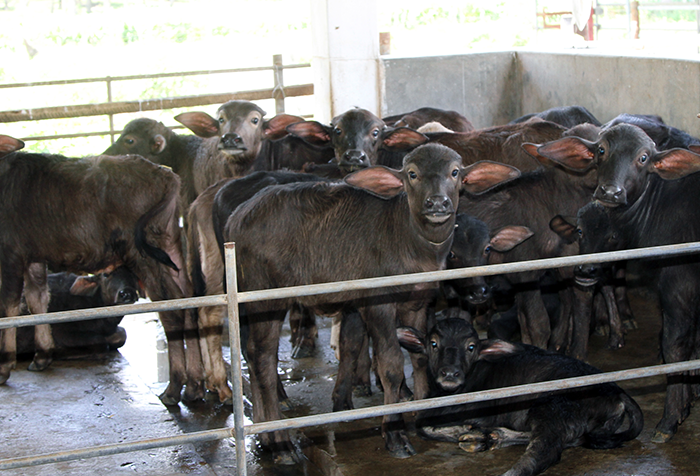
[{"x": 278, "y": 92}]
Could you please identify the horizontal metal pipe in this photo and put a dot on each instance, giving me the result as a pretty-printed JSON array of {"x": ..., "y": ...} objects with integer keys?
[
  {"x": 112, "y": 311},
  {"x": 495, "y": 394},
  {"x": 360, "y": 284},
  {"x": 489, "y": 270},
  {"x": 351, "y": 415}
]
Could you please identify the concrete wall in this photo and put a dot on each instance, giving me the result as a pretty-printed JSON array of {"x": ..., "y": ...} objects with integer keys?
[{"x": 494, "y": 88}]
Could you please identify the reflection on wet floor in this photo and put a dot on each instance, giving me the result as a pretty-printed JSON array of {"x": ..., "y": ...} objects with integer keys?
[{"x": 109, "y": 398}]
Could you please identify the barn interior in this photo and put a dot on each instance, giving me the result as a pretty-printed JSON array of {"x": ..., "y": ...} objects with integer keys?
[{"x": 102, "y": 398}]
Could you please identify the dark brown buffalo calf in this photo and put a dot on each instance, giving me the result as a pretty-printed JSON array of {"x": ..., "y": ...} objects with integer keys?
[
  {"x": 232, "y": 141},
  {"x": 452, "y": 120},
  {"x": 652, "y": 199},
  {"x": 69, "y": 292},
  {"x": 87, "y": 215},
  {"x": 600, "y": 417},
  {"x": 307, "y": 233},
  {"x": 357, "y": 137}
]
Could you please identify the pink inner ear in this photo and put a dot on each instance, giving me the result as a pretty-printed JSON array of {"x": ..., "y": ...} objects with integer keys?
[
  {"x": 83, "y": 286},
  {"x": 378, "y": 180},
  {"x": 498, "y": 347}
]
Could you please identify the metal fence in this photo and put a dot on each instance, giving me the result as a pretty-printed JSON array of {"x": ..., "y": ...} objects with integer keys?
[
  {"x": 110, "y": 108},
  {"x": 233, "y": 298}
]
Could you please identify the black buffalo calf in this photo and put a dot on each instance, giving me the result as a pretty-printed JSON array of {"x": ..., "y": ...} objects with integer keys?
[
  {"x": 600, "y": 416},
  {"x": 69, "y": 292}
]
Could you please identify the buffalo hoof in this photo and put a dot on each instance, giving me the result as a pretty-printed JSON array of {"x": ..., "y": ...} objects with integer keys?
[
  {"x": 302, "y": 351},
  {"x": 398, "y": 445},
  {"x": 364, "y": 390},
  {"x": 661, "y": 437},
  {"x": 39, "y": 365},
  {"x": 630, "y": 324},
  {"x": 194, "y": 392},
  {"x": 285, "y": 405},
  {"x": 286, "y": 454},
  {"x": 474, "y": 441},
  {"x": 168, "y": 399},
  {"x": 116, "y": 340},
  {"x": 4, "y": 376}
]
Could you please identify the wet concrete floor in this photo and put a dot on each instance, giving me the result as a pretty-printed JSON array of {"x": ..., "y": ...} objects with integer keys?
[{"x": 107, "y": 398}]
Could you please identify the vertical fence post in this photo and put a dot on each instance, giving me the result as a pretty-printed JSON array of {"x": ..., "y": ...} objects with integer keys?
[
  {"x": 234, "y": 333},
  {"x": 111, "y": 116},
  {"x": 278, "y": 92}
]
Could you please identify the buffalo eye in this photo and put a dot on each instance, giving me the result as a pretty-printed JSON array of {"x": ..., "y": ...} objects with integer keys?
[
  {"x": 129, "y": 141},
  {"x": 471, "y": 347},
  {"x": 337, "y": 131},
  {"x": 643, "y": 158},
  {"x": 256, "y": 120},
  {"x": 433, "y": 344},
  {"x": 451, "y": 256},
  {"x": 412, "y": 175},
  {"x": 601, "y": 150},
  {"x": 579, "y": 231},
  {"x": 488, "y": 249},
  {"x": 221, "y": 120},
  {"x": 375, "y": 133},
  {"x": 455, "y": 173}
]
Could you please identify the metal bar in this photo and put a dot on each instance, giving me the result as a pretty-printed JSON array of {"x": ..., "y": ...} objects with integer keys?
[
  {"x": 357, "y": 414},
  {"x": 112, "y": 311},
  {"x": 360, "y": 284},
  {"x": 490, "y": 270},
  {"x": 495, "y": 394},
  {"x": 62, "y": 112},
  {"x": 146, "y": 76},
  {"x": 236, "y": 364}
]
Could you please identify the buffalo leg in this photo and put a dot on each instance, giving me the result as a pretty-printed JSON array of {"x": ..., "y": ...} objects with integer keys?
[
  {"x": 263, "y": 346},
  {"x": 582, "y": 310},
  {"x": 10, "y": 294},
  {"x": 533, "y": 318},
  {"x": 353, "y": 334},
  {"x": 210, "y": 331},
  {"x": 302, "y": 323},
  {"x": 543, "y": 451},
  {"x": 36, "y": 293},
  {"x": 482, "y": 439},
  {"x": 616, "y": 336},
  {"x": 677, "y": 339},
  {"x": 381, "y": 325}
]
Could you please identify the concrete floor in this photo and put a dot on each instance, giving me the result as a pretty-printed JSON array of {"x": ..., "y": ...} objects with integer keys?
[{"x": 108, "y": 398}]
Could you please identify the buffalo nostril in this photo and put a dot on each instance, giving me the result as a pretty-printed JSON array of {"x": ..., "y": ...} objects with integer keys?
[{"x": 429, "y": 203}]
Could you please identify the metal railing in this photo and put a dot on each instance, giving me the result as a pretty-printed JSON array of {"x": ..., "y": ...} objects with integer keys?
[
  {"x": 110, "y": 108},
  {"x": 234, "y": 298}
]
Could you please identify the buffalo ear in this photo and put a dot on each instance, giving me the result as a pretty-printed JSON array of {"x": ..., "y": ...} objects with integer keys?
[
  {"x": 411, "y": 339},
  {"x": 571, "y": 152},
  {"x": 676, "y": 163},
  {"x": 276, "y": 127},
  {"x": 380, "y": 181},
  {"x": 9, "y": 144},
  {"x": 493, "y": 349},
  {"x": 201, "y": 123},
  {"x": 485, "y": 175},
  {"x": 509, "y": 237},
  {"x": 312, "y": 132},
  {"x": 564, "y": 227},
  {"x": 85, "y": 286},
  {"x": 403, "y": 138},
  {"x": 159, "y": 143}
]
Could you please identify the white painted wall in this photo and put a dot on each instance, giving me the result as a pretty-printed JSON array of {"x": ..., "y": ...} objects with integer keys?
[{"x": 345, "y": 56}]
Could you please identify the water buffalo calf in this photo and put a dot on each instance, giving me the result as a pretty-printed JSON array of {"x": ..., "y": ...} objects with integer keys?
[
  {"x": 600, "y": 416},
  {"x": 87, "y": 215},
  {"x": 651, "y": 197},
  {"x": 69, "y": 292},
  {"x": 308, "y": 233}
]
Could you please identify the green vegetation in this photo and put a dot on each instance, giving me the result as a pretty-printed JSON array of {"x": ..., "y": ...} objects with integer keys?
[{"x": 45, "y": 40}]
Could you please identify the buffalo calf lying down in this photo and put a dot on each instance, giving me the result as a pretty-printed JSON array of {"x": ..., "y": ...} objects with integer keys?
[
  {"x": 601, "y": 416},
  {"x": 69, "y": 292}
]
